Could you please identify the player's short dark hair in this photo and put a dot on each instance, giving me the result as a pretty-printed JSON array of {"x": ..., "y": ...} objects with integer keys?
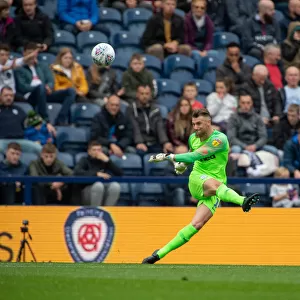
[
  {"x": 202, "y": 112},
  {"x": 93, "y": 143},
  {"x": 30, "y": 46},
  {"x": 15, "y": 146},
  {"x": 4, "y": 47},
  {"x": 233, "y": 45}
]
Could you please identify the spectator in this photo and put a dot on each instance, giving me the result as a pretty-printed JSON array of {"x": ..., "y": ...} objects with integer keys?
[
  {"x": 149, "y": 132},
  {"x": 284, "y": 195},
  {"x": 36, "y": 129},
  {"x": 102, "y": 83},
  {"x": 221, "y": 104},
  {"x": 246, "y": 130},
  {"x": 290, "y": 94},
  {"x": 179, "y": 125},
  {"x": 33, "y": 26},
  {"x": 135, "y": 76},
  {"x": 69, "y": 75},
  {"x": 190, "y": 93},
  {"x": 234, "y": 67},
  {"x": 164, "y": 33},
  {"x": 7, "y": 25},
  {"x": 126, "y": 4},
  {"x": 79, "y": 16},
  {"x": 11, "y": 166},
  {"x": 12, "y": 123},
  {"x": 98, "y": 164},
  {"x": 291, "y": 14},
  {"x": 239, "y": 12},
  {"x": 112, "y": 129},
  {"x": 272, "y": 57},
  {"x": 49, "y": 165},
  {"x": 265, "y": 97},
  {"x": 287, "y": 126},
  {"x": 216, "y": 9},
  {"x": 261, "y": 30},
  {"x": 198, "y": 28},
  {"x": 35, "y": 82},
  {"x": 291, "y": 46}
]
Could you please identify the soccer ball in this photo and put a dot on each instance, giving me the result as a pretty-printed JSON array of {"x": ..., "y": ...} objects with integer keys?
[{"x": 103, "y": 55}]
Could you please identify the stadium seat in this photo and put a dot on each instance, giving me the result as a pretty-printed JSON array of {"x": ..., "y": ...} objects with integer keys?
[
  {"x": 83, "y": 113},
  {"x": 177, "y": 62},
  {"x": 123, "y": 107},
  {"x": 53, "y": 111},
  {"x": 66, "y": 158},
  {"x": 154, "y": 169},
  {"x": 13, "y": 55},
  {"x": 87, "y": 40},
  {"x": 155, "y": 74},
  {"x": 124, "y": 38},
  {"x": 168, "y": 86},
  {"x": 78, "y": 156},
  {"x": 26, "y": 107},
  {"x": 131, "y": 166},
  {"x": 250, "y": 60},
  {"x": 119, "y": 75},
  {"x": 127, "y": 51},
  {"x": 279, "y": 16},
  {"x": 137, "y": 28},
  {"x": 220, "y": 54},
  {"x": 1, "y": 157},
  {"x": 48, "y": 9},
  {"x": 179, "y": 12},
  {"x": 148, "y": 194},
  {"x": 71, "y": 139},
  {"x": 201, "y": 98},
  {"x": 110, "y": 18},
  {"x": 210, "y": 76},
  {"x": 120, "y": 63},
  {"x": 163, "y": 111},
  {"x": 84, "y": 59},
  {"x": 126, "y": 197},
  {"x": 223, "y": 38},
  {"x": 135, "y": 15},
  {"x": 47, "y": 58},
  {"x": 182, "y": 76},
  {"x": 26, "y": 158},
  {"x": 63, "y": 38},
  {"x": 168, "y": 100},
  {"x": 209, "y": 62},
  {"x": 152, "y": 63},
  {"x": 204, "y": 87}
]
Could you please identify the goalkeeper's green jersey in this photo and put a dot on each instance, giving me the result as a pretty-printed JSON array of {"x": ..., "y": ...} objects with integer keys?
[{"x": 214, "y": 163}]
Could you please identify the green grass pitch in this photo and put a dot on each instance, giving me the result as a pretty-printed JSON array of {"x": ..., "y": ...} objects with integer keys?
[{"x": 45, "y": 281}]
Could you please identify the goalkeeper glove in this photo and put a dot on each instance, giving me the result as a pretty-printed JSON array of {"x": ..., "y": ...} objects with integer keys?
[
  {"x": 161, "y": 157},
  {"x": 180, "y": 167}
]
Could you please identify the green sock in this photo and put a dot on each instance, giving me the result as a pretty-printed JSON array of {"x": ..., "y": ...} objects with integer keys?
[
  {"x": 228, "y": 195},
  {"x": 182, "y": 237}
]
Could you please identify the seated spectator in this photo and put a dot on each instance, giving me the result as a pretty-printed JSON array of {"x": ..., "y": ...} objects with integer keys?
[
  {"x": 102, "y": 83},
  {"x": 265, "y": 97},
  {"x": 49, "y": 165},
  {"x": 198, "y": 28},
  {"x": 239, "y": 12},
  {"x": 12, "y": 123},
  {"x": 234, "y": 67},
  {"x": 287, "y": 126},
  {"x": 290, "y": 94},
  {"x": 291, "y": 14},
  {"x": 216, "y": 10},
  {"x": 36, "y": 129},
  {"x": 100, "y": 165},
  {"x": 272, "y": 60},
  {"x": 11, "y": 166},
  {"x": 69, "y": 75},
  {"x": 246, "y": 130},
  {"x": 179, "y": 125},
  {"x": 126, "y": 4},
  {"x": 32, "y": 25},
  {"x": 190, "y": 92},
  {"x": 291, "y": 46},
  {"x": 79, "y": 16},
  {"x": 135, "y": 76},
  {"x": 221, "y": 104},
  {"x": 164, "y": 33},
  {"x": 112, "y": 129},
  {"x": 7, "y": 26},
  {"x": 284, "y": 195},
  {"x": 149, "y": 133},
  {"x": 261, "y": 30},
  {"x": 35, "y": 82}
]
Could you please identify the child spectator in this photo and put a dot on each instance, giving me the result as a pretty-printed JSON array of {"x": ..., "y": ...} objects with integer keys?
[
  {"x": 36, "y": 129},
  {"x": 284, "y": 195},
  {"x": 190, "y": 92},
  {"x": 221, "y": 104}
]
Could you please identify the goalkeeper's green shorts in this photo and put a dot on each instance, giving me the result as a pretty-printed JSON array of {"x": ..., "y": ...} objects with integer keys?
[{"x": 196, "y": 182}]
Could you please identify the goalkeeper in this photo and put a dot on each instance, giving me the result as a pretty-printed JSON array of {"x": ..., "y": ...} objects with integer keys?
[{"x": 207, "y": 182}]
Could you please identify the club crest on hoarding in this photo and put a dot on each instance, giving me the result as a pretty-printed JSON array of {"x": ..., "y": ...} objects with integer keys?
[{"x": 89, "y": 233}]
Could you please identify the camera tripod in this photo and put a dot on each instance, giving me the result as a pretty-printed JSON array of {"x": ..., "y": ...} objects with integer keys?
[{"x": 24, "y": 242}]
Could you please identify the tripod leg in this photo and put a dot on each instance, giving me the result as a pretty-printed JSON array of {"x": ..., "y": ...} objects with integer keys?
[
  {"x": 21, "y": 251},
  {"x": 30, "y": 249}
]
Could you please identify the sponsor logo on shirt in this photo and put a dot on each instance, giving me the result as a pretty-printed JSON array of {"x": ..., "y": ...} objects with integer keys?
[
  {"x": 208, "y": 158},
  {"x": 216, "y": 142}
]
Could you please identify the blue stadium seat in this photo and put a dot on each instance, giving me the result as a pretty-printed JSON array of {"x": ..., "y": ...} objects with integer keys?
[
  {"x": 182, "y": 76},
  {"x": 1, "y": 157},
  {"x": 154, "y": 169},
  {"x": 163, "y": 111},
  {"x": 279, "y": 16},
  {"x": 63, "y": 38},
  {"x": 167, "y": 100},
  {"x": 137, "y": 28},
  {"x": 26, "y": 107},
  {"x": 66, "y": 158},
  {"x": 110, "y": 18},
  {"x": 119, "y": 75},
  {"x": 127, "y": 51},
  {"x": 83, "y": 113},
  {"x": 210, "y": 76},
  {"x": 120, "y": 63},
  {"x": 148, "y": 194},
  {"x": 204, "y": 87},
  {"x": 250, "y": 60},
  {"x": 78, "y": 156},
  {"x": 131, "y": 166},
  {"x": 48, "y": 10},
  {"x": 47, "y": 58},
  {"x": 152, "y": 63},
  {"x": 168, "y": 86},
  {"x": 84, "y": 59},
  {"x": 223, "y": 38},
  {"x": 136, "y": 15},
  {"x": 220, "y": 54},
  {"x": 178, "y": 62},
  {"x": 179, "y": 12},
  {"x": 209, "y": 62},
  {"x": 26, "y": 158},
  {"x": 71, "y": 139},
  {"x": 124, "y": 38},
  {"x": 126, "y": 197},
  {"x": 155, "y": 74},
  {"x": 201, "y": 98},
  {"x": 53, "y": 111},
  {"x": 90, "y": 39}
]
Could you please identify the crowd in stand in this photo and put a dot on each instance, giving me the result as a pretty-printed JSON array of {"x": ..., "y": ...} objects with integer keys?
[{"x": 256, "y": 105}]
